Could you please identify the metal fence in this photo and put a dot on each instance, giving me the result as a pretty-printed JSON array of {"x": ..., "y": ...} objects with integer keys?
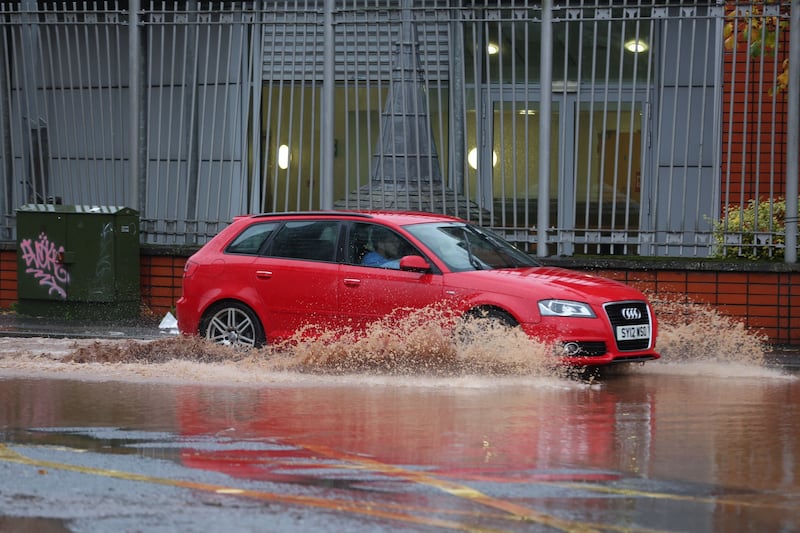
[{"x": 665, "y": 125}]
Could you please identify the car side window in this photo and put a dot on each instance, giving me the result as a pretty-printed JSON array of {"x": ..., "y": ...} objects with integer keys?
[
  {"x": 314, "y": 240},
  {"x": 358, "y": 245},
  {"x": 377, "y": 246},
  {"x": 250, "y": 241}
]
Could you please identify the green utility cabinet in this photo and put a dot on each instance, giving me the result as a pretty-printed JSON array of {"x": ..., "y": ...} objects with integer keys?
[{"x": 78, "y": 261}]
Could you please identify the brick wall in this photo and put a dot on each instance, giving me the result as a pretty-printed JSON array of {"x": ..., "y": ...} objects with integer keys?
[
  {"x": 767, "y": 300},
  {"x": 162, "y": 278},
  {"x": 8, "y": 278},
  {"x": 754, "y": 124}
]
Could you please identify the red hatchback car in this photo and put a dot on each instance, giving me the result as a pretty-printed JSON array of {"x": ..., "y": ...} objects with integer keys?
[{"x": 266, "y": 276}]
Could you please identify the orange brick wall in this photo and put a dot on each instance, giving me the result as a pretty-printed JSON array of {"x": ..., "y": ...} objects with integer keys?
[
  {"x": 162, "y": 277},
  {"x": 764, "y": 301},
  {"x": 754, "y": 124},
  {"x": 8, "y": 278},
  {"x": 768, "y": 302}
]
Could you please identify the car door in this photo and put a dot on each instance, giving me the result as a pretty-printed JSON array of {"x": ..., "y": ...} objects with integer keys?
[
  {"x": 298, "y": 277},
  {"x": 369, "y": 293}
]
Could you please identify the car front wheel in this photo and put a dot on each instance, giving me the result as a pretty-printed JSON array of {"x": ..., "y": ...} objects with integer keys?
[
  {"x": 232, "y": 324},
  {"x": 479, "y": 321}
]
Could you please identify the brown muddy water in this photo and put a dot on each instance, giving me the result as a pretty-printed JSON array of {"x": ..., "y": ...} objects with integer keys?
[{"x": 405, "y": 429}]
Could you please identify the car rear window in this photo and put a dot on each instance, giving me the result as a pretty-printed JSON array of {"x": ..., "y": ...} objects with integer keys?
[
  {"x": 250, "y": 241},
  {"x": 313, "y": 240}
]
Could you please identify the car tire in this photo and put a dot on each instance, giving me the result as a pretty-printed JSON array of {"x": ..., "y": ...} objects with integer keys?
[
  {"x": 232, "y": 324},
  {"x": 480, "y": 320},
  {"x": 492, "y": 314}
]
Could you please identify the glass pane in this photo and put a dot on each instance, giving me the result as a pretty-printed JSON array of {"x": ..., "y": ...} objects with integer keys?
[
  {"x": 608, "y": 148},
  {"x": 251, "y": 240},
  {"x": 515, "y": 169},
  {"x": 583, "y": 50},
  {"x": 314, "y": 240},
  {"x": 361, "y": 115}
]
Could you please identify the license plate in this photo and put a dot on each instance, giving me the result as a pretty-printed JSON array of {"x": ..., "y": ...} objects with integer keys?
[{"x": 632, "y": 333}]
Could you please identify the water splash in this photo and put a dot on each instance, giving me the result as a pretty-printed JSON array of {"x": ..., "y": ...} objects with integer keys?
[
  {"x": 434, "y": 342},
  {"x": 691, "y": 331},
  {"x": 429, "y": 341}
]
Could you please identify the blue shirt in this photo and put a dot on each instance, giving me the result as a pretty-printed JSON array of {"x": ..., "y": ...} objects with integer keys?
[{"x": 375, "y": 259}]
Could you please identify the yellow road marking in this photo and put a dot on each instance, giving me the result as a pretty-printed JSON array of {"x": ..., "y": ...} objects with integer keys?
[
  {"x": 11, "y": 456},
  {"x": 389, "y": 510},
  {"x": 456, "y": 489},
  {"x": 677, "y": 497}
]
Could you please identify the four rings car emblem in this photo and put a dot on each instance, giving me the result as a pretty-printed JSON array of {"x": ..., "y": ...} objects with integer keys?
[{"x": 631, "y": 313}]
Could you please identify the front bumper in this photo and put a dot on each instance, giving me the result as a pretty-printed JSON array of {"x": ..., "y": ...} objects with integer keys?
[{"x": 602, "y": 340}]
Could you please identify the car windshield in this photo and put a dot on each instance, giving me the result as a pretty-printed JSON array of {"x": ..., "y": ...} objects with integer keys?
[{"x": 466, "y": 247}]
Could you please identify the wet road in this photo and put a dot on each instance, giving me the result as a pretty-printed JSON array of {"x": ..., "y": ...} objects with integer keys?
[{"x": 661, "y": 448}]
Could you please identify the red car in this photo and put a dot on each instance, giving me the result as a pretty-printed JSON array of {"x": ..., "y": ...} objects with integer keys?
[{"x": 265, "y": 276}]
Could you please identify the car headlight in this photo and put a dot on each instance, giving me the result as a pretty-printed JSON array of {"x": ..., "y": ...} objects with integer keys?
[{"x": 565, "y": 308}]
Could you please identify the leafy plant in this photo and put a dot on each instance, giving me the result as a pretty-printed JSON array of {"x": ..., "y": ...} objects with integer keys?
[
  {"x": 760, "y": 33},
  {"x": 761, "y": 225}
]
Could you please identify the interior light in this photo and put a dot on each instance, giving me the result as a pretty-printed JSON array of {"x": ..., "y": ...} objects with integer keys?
[
  {"x": 528, "y": 112},
  {"x": 472, "y": 158},
  {"x": 492, "y": 49},
  {"x": 283, "y": 156},
  {"x": 636, "y": 46}
]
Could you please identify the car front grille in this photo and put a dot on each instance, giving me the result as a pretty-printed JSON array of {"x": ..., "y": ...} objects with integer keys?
[{"x": 631, "y": 324}]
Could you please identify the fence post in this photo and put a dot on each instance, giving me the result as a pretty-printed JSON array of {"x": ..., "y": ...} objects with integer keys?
[
  {"x": 546, "y": 78},
  {"x": 326, "y": 120},
  {"x": 793, "y": 135},
  {"x": 133, "y": 102}
]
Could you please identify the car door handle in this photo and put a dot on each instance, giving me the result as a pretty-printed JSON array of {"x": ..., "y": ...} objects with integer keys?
[
  {"x": 263, "y": 274},
  {"x": 352, "y": 282}
]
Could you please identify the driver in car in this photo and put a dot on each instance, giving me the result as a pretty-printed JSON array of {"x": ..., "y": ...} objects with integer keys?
[{"x": 385, "y": 251}]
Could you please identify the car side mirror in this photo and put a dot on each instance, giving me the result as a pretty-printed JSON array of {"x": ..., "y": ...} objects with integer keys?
[{"x": 414, "y": 263}]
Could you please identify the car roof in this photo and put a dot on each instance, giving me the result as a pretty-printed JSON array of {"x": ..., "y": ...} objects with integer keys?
[{"x": 399, "y": 218}]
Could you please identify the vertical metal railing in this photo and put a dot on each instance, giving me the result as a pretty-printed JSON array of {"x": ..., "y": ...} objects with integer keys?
[
  {"x": 272, "y": 106},
  {"x": 134, "y": 101},
  {"x": 546, "y": 79},
  {"x": 793, "y": 135},
  {"x": 61, "y": 93},
  {"x": 293, "y": 120},
  {"x": 754, "y": 184},
  {"x": 201, "y": 77}
]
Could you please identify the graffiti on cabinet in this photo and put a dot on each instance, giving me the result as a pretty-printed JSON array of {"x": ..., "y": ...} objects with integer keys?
[{"x": 44, "y": 260}]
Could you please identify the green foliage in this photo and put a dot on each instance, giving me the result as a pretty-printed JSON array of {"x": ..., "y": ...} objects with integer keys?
[
  {"x": 761, "y": 225},
  {"x": 749, "y": 26}
]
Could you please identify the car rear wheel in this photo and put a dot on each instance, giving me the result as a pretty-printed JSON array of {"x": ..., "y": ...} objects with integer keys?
[{"x": 232, "y": 324}]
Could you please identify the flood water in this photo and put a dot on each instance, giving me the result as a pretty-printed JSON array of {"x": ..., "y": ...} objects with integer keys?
[
  {"x": 699, "y": 442},
  {"x": 659, "y": 448}
]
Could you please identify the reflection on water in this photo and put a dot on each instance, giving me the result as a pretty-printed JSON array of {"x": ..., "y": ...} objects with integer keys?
[
  {"x": 35, "y": 403},
  {"x": 735, "y": 432}
]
